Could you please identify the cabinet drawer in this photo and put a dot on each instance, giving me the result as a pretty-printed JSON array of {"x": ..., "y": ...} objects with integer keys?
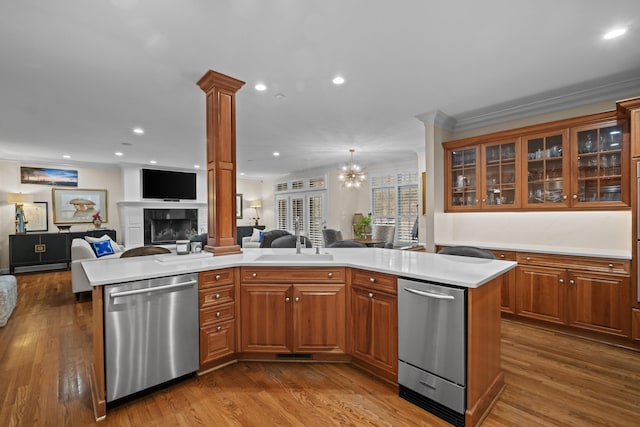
[
  {"x": 216, "y": 296},
  {"x": 602, "y": 265},
  {"x": 220, "y": 313},
  {"x": 504, "y": 255},
  {"x": 217, "y": 341},
  {"x": 292, "y": 275},
  {"x": 211, "y": 278},
  {"x": 374, "y": 280}
]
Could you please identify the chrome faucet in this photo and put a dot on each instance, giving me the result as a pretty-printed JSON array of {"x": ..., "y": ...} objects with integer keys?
[{"x": 296, "y": 225}]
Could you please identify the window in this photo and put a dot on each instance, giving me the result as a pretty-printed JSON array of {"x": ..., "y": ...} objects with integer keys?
[
  {"x": 394, "y": 200},
  {"x": 304, "y": 199}
]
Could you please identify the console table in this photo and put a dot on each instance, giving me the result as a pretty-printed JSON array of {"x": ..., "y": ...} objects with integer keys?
[{"x": 46, "y": 248}]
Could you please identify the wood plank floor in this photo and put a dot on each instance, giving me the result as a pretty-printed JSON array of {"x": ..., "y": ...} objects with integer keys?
[{"x": 551, "y": 380}]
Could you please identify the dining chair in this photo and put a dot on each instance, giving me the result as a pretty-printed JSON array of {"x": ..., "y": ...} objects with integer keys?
[
  {"x": 330, "y": 236},
  {"x": 385, "y": 233}
]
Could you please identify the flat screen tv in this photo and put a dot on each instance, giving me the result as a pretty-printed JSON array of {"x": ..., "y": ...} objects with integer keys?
[{"x": 168, "y": 185}]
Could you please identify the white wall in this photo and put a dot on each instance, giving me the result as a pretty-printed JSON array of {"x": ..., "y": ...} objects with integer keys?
[
  {"x": 90, "y": 177},
  {"x": 254, "y": 190}
]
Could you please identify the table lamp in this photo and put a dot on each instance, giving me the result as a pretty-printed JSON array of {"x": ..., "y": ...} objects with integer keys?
[
  {"x": 256, "y": 204},
  {"x": 19, "y": 200}
]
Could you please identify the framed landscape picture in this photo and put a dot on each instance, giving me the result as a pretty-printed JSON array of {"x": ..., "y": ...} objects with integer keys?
[
  {"x": 49, "y": 176},
  {"x": 78, "y": 206},
  {"x": 37, "y": 213}
]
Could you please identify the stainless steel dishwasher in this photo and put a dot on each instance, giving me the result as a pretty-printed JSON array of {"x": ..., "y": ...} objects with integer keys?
[
  {"x": 151, "y": 333},
  {"x": 432, "y": 348}
]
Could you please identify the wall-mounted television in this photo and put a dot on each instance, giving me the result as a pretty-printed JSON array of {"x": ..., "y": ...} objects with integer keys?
[{"x": 168, "y": 185}]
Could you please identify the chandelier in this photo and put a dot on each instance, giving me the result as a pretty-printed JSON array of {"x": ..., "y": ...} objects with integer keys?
[{"x": 352, "y": 174}]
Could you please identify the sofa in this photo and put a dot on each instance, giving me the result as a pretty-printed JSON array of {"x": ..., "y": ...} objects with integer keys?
[
  {"x": 81, "y": 250},
  {"x": 264, "y": 238}
]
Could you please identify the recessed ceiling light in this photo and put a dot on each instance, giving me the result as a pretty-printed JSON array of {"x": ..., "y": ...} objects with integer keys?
[
  {"x": 138, "y": 131},
  {"x": 196, "y": 166},
  {"x": 279, "y": 96},
  {"x": 617, "y": 32},
  {"x": 338, "y": 80},
  {"x": 276, "y": 154},
  {"x": 66, "y": 156},
  {"x": 260, "y": 87},
  {"x": 153, "y": 162},
  {"x": 119, "y": 153}
]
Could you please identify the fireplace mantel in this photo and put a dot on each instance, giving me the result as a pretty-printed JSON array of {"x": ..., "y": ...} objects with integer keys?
[{"x": 132, "y": 217}]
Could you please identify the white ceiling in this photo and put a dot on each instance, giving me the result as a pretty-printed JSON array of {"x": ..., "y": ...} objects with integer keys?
[{"x": 76, "y": 76}]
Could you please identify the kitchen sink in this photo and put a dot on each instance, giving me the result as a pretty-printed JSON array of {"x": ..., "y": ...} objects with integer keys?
[{"x": 295, "y": 257}]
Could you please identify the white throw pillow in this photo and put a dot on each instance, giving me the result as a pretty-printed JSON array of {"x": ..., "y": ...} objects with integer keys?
[
  {"x": 257, "y": 235},
  {"x": 116, "y": 247}
]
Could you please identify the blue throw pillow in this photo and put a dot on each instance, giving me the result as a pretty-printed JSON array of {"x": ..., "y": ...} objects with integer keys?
[{"x": 102, "y": 248}]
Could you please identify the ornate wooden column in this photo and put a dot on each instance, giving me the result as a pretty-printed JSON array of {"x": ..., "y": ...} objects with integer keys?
[{"x": 220, "y": 93}]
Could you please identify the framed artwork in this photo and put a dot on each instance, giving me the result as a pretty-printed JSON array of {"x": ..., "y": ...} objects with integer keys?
[
  {"x": 37, "y": 213},
  {"x": 78, "y": 206},
  {"x": 239, "y": 205},
  {"x": 49, "y": 176}
]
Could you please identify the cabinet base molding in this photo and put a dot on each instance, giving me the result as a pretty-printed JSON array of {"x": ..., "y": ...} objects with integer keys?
[
  {"x": 275, "y": 357},
  {"x": 217, "y": 364},
  {"x": 600, "y": 337},
  {"x": 475, "y": 415},
  {"x": 383, "y": 374}
]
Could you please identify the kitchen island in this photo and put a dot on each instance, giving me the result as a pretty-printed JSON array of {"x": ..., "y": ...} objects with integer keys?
[{"x": 481, "y": 277}]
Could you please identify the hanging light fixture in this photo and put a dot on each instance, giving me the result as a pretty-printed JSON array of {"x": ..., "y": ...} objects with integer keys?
[{"x": 352, "y": 174}]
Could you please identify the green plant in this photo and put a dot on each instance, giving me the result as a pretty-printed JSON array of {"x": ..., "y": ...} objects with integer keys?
[{"x": 363, "y": 226}]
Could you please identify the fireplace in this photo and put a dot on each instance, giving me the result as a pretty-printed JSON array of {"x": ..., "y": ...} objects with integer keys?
[{"x": 165, "y": 226}]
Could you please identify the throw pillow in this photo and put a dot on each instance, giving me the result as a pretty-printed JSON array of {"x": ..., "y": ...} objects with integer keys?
[
  {"x": 102, "y": 248},
  {"x": 256, "y": 236},
  {"x": 116, "y": 247}
]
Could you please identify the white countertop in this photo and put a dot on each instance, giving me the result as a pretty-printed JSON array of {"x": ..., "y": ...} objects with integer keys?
[
  {"x": 447, "y": 269},
  {"x": 555, "y": 250}
]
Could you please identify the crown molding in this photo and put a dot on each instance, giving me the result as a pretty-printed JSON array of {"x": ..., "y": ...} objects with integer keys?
[
  {"x": 617, "y": 87},
  {"x": 437, "y": 118}
]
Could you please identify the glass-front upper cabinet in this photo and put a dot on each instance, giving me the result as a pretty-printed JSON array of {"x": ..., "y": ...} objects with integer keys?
[
  {"x": 500, "y": 172},
  {"x": 600, "y": 165},
  {"x": 546, "y": 169},
  {"x": 463, "y": 178}
]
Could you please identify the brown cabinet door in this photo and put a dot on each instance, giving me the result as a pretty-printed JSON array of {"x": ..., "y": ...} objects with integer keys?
[
  {"x": 462, "y": 179},
  {"x": 319, "y": 318},
  {"x": 500, "y": 175},
  {"x": 374, "y": 328},
  {"x": 266, "y": 318},
  {"x": 546, "y": 170},
  {"x": 540, "y": 293},
  {"x": 599, "y": 302}
]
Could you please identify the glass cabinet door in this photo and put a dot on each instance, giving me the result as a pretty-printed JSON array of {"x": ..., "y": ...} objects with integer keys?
[
  {"x": 546, "y": 169},
  {"x": 463, "y": 178},
  {"x": 500, "y": 175},
  {"x": 599, "y": 165}
]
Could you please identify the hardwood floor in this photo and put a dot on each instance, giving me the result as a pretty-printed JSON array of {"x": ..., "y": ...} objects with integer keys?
[{"x": 551, "y": 380}]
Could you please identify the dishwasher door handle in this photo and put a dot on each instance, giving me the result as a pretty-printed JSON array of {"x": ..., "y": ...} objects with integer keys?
[
  {"x": 153, "y": 289},
  {"x": 428, "y": 294}
]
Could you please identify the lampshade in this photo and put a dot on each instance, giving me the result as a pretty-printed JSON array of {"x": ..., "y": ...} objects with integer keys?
[
  {"x": 19, "y": 198},
  {"x": 255, "y": 203},
  {"x": 352, "y": 174}
]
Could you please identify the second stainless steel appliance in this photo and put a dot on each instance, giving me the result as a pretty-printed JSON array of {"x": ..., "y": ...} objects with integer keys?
[
  {"x": 151, "y": 333},
  {"x": 432, "y": 348}
]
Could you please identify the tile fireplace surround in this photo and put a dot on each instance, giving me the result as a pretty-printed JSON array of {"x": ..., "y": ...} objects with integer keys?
[{"x": 132, "y": 218}]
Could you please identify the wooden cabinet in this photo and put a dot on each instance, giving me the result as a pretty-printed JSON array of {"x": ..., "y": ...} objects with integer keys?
[
  {"x": 580, "y": 163},
  {"x": 216, "y": 297},
  {"x": 374, "y": 320},
  {"x": 293, "y": 310},
  {"x": 583, "y": 292},
  {"x": 508, "y": 287},
  {"x": 635, "y": 324}
]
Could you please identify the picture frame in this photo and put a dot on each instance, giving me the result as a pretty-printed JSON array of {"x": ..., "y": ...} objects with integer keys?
[
  {"x": 37, "y": 215},
  {"x": 78, "y": 206},
  {"x": 238, "y": 205},
  {"x": 49, "y": 176}
]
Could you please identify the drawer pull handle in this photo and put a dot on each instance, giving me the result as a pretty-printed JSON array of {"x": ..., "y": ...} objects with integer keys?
[
  {"x": 217, "y": 296},
  {"x": 287, "y": 299},
  {"x": 330, "y": 275},
  {"x": 501, "y": 255},
  {"x": 610, "y": 265},
  {"x": 528, "y": 258},
  {"x": 372, "y": 279},
  {"x": 297, "y": 299},
  {"x": 573, "y": 282},
  {"x": 561, "y": 280},
  {"x": 218, "y": 314},
  {"x": 254, "y": 275},
  {"x": 217, "y": 277},
  {"x": 219, "y": 328},
  {"x": 370, "y": 294}
]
